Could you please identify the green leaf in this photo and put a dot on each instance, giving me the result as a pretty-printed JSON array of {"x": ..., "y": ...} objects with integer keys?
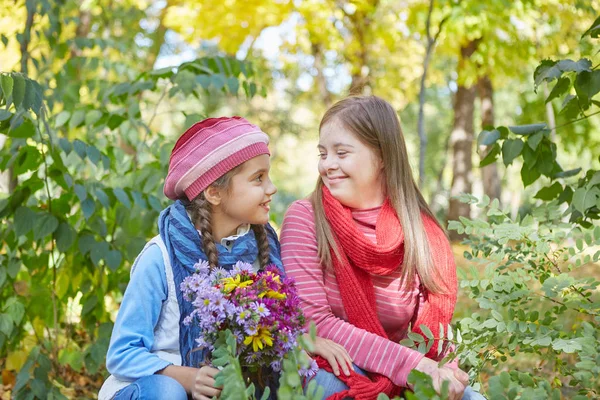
[
  {"x": 113, "y": 259},
  {"x": 81, "y": 192},
  {"x": 155, "y": 203},
  {"x": 14, "y": 266},
  {"x": 575, "y": 66},
  {"x": 18, "y": 89},
  {"x": 4, "y": 115},
  {"x": 103, "y": 198},
  {"x": 65, "y": 237},
  {"x": 29, "y": 98},
  {"x": 122, "y": 196},
  {"x": 567, "y": 174},
  {"x": 487, "y": 138},
  {"x": 534, "y": 140},
  {"x": 80, "y": 148},
  {"x": 6, "y": 324},
  {"x": 88, "y": 206},
  {"x": 162, "y": 72},
  {"x": 86, "y": 242},
  {"x": 186, "y": 81},
  {"x": 425, "y": 329},
  {"x": 24, "y": 220},
  {"x": 23, "y": 131},
  {"x": 46, "y": 224},
  {"x": 529, "y": 174},
  {"x": 77, "y": 119},
  {"x": 89, "y": 305},
  {"x": 98, "y": 252},
  {"x": 415, "y": 337},
  {"x": 2, "y": 276},
  {"x": 561, "y": 87},
  {"x": 233, "y": 85},
  {"x": 203, "y": 80},
  {"x": 15, "y": 309},
  {"x": 218, "y": 81},
  {"x": 62, "y": 118},
  {"x": 584, "y": 198},
  {"x": 65, "y": 145},
  {"x": 93, "y": 116},
  {"x": 527, "y": 129},
  {"x": 587, "y": 84},
  {"x": 550, "y": 192},
  {"x": 594, "y": 30},
  {"x": 6, "y": 81},
  {"x": 93, "y": 154},
  {"x": 491, "y": 156},
  {"x": 566, "y": 345},
  {"x": 511, "y": 148},
  {"x": 595, "y": 179}
]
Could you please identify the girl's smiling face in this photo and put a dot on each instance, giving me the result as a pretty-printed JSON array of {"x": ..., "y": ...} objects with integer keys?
[
  {"x": 351, "y": 170},
  {"x": 244, "y": 200},
  {"x": 248, "y": 198}
]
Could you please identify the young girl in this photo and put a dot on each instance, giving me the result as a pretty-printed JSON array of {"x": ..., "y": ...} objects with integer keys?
[
  {"x": 369, "y": 257},
  {"x": 219, "y": 178}
]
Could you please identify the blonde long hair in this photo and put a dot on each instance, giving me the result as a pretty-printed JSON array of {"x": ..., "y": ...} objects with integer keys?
[{"x": 375, "y": 122}]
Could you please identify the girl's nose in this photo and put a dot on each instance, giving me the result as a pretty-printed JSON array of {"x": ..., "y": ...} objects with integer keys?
[
  {"x": 271, "y": 188},
  {"x": 330, "y": 164}
]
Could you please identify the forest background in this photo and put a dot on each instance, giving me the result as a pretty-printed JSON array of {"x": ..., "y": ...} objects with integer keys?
[{"x": 498, "y": 103}]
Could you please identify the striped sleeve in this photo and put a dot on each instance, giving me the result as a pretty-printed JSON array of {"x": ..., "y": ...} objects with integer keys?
[{"x": 369, "y": 351}]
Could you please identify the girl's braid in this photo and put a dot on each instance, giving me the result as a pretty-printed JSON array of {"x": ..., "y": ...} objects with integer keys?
[
  {"x": 260, "y": 233},
  {"x": 200, "y": 210}
]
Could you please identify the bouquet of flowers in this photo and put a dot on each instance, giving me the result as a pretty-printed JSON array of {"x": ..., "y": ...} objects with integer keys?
[{"x": 261, "y": 309}]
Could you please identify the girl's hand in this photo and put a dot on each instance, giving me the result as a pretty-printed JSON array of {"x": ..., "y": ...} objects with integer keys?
[
  {"x": 439, "y": 375},
  {"x": 204, "y": 384},
  {"x": 335, "y": 354}
]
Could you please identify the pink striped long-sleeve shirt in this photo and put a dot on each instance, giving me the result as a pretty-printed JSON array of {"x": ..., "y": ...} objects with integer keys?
[{"x": 322, "y": 303}]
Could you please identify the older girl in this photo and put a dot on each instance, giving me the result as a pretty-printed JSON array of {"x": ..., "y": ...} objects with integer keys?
[{"x": 368, "y": 255}]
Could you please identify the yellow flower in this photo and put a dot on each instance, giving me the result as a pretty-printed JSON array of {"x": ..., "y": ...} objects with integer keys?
[
  {"x": 230, "y": 284},
  {"x": 274, "y": 276},
  {"x": 271, "y": 294},
  {"x": 262, "y": 337}
]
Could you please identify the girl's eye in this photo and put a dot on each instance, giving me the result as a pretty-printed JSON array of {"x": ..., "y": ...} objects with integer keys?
[
  {"x": 342, "y": 153},
  {"x": 259, "y": 178},
  {"x": 322, "y": 156}
]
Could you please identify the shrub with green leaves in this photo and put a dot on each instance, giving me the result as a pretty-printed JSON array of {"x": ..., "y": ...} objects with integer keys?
[
  {"x": 81, "y": 210},
  {"x": 538, "y": 300}
]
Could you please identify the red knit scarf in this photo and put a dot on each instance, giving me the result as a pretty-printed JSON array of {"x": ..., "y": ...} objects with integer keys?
[{"x": 359, "y": 258}]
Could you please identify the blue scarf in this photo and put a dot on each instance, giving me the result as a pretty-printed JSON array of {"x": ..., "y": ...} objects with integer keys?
[{"x": 183, "y": 243}]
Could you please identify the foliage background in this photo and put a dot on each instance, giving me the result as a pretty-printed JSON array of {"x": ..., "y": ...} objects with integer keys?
[{"x": 94, "y": 93}]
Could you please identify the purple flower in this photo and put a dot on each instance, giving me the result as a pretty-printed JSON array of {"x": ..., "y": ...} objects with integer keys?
[
  {"x": 215, "y": 309},
  {"x": 202, "y": 267},
  {"x": 260, "y": 309},
  {"x": 312, "y": 369},
  {"x": 242, "y": 267}
]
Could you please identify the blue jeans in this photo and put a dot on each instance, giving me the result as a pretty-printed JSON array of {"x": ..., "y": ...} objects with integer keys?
[
  {"x": 331, "y": 384},
  {"x": 153, "y": 387}
]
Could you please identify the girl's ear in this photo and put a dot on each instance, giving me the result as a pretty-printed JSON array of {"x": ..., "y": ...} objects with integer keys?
[{"x": 212, "y": 194}]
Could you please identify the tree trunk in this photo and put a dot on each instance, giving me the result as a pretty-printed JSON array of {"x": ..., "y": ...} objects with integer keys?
[
  {"x": 158, "y": 37},
  {"x": 324, "y": 93},
  {"x": 461, "y": 140},
  {"x": 489, "y": 174},
  {"x": 550, "y": 114},
  {"x": 431, "y": 41},
  {"x": 360, "y": 22}
]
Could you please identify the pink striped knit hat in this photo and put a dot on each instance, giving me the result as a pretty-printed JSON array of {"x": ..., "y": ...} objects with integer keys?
[{"x": 208, "y": 150}]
